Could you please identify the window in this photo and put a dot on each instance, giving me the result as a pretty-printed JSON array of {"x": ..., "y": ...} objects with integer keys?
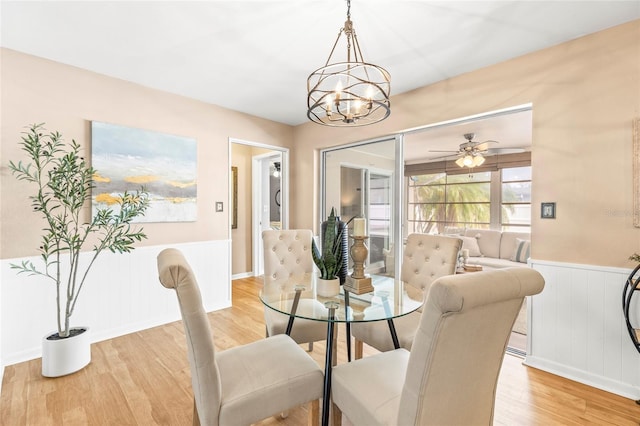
[
  {"x": 441, "y": 202},
  {"x": 516, "y": 199}
]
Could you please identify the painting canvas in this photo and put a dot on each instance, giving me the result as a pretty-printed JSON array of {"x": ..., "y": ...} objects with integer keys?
[{"x": 126, "y": 159}]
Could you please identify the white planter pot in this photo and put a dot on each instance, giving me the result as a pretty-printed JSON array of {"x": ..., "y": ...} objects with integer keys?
[
  {"x": 65, "y": 356},
  {"x": 328, "y": 288}
]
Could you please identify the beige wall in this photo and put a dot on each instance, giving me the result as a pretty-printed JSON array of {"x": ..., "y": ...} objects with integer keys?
[
  {"x": 68, "y": 99},
  {"x": 241, "y": 236},
  {"x": 585, "y": 94},
  {"x": 241, "y": 252}
]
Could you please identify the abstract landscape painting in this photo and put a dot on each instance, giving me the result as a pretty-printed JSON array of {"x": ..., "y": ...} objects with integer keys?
[{"x": 126, "y": 159}]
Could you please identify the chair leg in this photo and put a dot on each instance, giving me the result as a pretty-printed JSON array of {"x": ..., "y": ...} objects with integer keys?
[
  {"x": 336, "y": 419},
  {"x": 314, "y": 413},
  {"x": 196, "y": 417},
  {"x": 358, "y": 349},
  {"x": 310, "y": 346}
]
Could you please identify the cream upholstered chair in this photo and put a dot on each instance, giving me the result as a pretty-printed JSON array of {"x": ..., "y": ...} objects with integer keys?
[
  {"x": 426, "y": 258},
  {"x": 287, "y": 255},
  {"x": 245, "y": 384},
  {"x": 450, "y": 375}
]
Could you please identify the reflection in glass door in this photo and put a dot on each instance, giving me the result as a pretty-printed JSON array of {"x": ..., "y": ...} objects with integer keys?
[
  {"x": 363, "y": 181},
  {"x": 380, "y": 198}
]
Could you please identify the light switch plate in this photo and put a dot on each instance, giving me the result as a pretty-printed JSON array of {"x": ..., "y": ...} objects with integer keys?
[{"x": 219, "y": 206}]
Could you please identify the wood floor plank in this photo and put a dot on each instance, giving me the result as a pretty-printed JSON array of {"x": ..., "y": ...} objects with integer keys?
[{"x": 144, "y": 379}]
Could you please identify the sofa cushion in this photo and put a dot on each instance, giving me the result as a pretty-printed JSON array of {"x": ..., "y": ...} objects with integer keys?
[
  {"x": 522, "y": 251},
  {"x": 471, "y": 244},
  {"x": 508, "y": 243},
  {"x": 488, "y": 241}
]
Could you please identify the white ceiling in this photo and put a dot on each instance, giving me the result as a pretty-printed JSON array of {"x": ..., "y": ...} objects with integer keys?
[
  {"x": 255, "y": 56},
  {"x": 510, "y": 129}
]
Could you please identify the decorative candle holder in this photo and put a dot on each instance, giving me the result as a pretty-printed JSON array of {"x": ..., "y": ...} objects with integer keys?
[{"x": 358, "y": 282}]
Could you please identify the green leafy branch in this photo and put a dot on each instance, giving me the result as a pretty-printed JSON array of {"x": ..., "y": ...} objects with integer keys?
[{"x": 64, "y": 182}]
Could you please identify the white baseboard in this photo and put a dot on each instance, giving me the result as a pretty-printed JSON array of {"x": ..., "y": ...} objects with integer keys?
[{"x": 242, "y": 275}]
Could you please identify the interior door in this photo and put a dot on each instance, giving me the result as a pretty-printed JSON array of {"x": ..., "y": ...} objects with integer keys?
[{"x": 268, "y": 176}]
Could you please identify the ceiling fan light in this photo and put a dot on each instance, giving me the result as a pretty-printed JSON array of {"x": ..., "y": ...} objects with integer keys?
[
  {"x": 467, "y": 160},
  {"x": 478, "y": 160},
  {"x": 460, "y": 162}
]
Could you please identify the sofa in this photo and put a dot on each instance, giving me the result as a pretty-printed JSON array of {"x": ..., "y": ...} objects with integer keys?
[{"x": 495, "y": 249}]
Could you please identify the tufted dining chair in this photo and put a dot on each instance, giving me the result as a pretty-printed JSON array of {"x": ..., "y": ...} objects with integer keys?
[
  {"x": 244, "y": 384},
  {"x": 451, "y": 373},
  {"x": 287, "y": 256},
  {"x": 425, "y": 259}
]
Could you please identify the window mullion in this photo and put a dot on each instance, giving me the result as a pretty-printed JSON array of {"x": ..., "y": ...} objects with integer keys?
[{"x": 496, "y": 200}]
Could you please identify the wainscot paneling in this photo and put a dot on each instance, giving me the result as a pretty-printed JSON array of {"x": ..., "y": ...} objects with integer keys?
[
  {"x": 122, "y": 295},
  {"x": 577, "y": 328}
]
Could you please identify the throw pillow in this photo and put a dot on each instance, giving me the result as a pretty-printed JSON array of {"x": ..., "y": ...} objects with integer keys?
[
  {"x": 522, "y": 252},
  {"x": 471, "y": 244}
]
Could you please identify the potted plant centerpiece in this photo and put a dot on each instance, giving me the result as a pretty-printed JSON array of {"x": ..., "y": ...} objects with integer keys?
[
  {"x": 64, "y": 182},
  {"x": 330, "y": 260}
]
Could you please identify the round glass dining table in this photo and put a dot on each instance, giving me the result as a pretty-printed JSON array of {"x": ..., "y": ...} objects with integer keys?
[{"x": 297, "y": 297}]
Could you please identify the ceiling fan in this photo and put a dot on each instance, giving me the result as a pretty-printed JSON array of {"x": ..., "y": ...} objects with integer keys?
[{"x": 470, "y": 152}]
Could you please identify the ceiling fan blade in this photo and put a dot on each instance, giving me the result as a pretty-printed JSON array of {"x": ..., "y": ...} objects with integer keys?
[
  {"x": 438, "y": 150},
  {"x": 483, "y": 146}
]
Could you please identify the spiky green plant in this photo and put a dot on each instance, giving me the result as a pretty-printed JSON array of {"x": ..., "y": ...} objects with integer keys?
[
  {"x": 330, "y": 261},
  {"x": 64, "y": 181}
]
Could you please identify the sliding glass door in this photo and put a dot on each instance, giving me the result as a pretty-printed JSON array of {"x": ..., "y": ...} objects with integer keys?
[{"x": 365, "y": 180}]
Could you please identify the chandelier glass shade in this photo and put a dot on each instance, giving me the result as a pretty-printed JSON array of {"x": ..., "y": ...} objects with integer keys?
[{"x": 350, "y": 92}]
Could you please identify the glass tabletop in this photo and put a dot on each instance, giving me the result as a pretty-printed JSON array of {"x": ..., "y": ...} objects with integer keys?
[{"x": 390, "y": 299}]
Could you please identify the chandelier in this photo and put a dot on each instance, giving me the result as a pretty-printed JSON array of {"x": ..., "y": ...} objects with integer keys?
[{"x": 348, "y": 93}]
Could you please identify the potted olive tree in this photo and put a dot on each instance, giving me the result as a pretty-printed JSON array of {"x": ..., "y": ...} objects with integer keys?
[{"x": 63, "y": 183}]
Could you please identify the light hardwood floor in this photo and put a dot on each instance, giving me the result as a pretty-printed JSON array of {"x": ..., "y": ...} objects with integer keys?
[{"x": 143, "y": 379}]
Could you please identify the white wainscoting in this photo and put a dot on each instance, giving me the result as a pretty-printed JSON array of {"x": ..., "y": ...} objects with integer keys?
[
  {"x": 577, "y": 328},
  {"x": 122, "y": 295}
]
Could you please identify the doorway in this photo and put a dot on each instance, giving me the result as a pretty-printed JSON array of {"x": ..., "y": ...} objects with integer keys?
[
  {"x": 267, "y": 190},
  {"x": 261, "y": 195},
  {"x": 507, "y": 187}
]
